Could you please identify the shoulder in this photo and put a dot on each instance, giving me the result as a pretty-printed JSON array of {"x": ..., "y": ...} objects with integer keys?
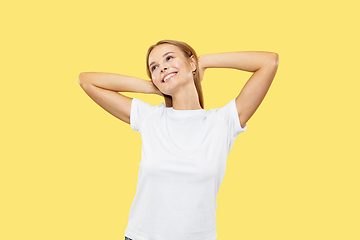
[
  {"x": 141, "y": 110},
  {"x": 225, "y": 110},
  {"x": 229, "y": 114}
]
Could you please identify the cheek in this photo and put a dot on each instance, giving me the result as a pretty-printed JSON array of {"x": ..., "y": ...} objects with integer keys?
[
  {"x": 178, "y": 65},
  {"x": 153, "y": 77},
  {"x": 155, "y": 80},
  {"x": 181, "y": 65}
]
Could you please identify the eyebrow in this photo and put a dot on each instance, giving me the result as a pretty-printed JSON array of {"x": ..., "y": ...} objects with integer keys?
[{"x": 163, "y": 56}]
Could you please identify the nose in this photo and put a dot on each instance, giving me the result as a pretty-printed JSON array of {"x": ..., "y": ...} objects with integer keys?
[{"x": 164, "y": 69}]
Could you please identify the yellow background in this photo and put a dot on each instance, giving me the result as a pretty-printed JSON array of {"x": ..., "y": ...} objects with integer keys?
[{"x": 69, "y": 169}]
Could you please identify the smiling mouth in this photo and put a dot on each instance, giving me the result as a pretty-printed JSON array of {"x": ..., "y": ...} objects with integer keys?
[{"x": 171, "y": 76}]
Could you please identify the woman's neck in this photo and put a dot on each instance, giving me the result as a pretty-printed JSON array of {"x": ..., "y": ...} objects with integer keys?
[{"x": 187, "y": 98}]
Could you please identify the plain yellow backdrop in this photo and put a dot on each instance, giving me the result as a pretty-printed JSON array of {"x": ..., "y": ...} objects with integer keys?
[{"x": 69, "y": 169}]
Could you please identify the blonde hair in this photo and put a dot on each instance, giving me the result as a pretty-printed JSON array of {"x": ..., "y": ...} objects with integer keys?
[{"x": 188, "y": 52}]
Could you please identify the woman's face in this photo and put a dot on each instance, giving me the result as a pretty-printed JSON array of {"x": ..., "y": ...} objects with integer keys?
[{"x": 168, "y": 59}]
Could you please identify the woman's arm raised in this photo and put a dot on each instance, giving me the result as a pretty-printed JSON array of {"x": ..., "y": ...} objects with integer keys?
[
  {"x": 103, "y": 88},
  {"x": 263, "y": 64}
]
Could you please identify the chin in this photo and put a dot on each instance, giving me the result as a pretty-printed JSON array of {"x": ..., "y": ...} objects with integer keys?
[{"x": 169, "y": 91}]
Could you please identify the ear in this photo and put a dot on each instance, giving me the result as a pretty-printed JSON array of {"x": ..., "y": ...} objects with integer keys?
[{"x": 192, "y": 62}]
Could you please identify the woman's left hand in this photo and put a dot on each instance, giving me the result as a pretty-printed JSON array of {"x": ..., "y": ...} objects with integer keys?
[{"x": 202, "y": 68}]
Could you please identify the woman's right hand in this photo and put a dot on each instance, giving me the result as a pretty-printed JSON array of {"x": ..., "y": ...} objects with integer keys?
[{"x": 155, "y": 90}]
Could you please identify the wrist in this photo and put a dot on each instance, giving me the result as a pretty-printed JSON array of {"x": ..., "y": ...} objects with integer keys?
[
  {"x": 202, "y": 62},
  {"x": 153, "y": 89}
]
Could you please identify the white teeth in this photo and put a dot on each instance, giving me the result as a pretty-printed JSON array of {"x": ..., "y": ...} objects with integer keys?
[{"x": 169, "y": 76}]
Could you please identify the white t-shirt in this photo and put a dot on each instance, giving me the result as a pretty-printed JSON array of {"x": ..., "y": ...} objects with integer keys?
[{"x": 183, "y": 160}]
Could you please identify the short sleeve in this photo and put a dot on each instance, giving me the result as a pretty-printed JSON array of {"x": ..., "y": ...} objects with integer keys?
[
  {"x": 230, "y": 115},
  {"x": 140, "y": 110}
]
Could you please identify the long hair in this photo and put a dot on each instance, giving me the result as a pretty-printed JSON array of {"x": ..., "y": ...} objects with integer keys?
[{"x": 188, "y": 52}]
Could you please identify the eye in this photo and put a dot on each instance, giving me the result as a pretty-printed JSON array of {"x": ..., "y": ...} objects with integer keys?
[{"x": 152, "y": 69}]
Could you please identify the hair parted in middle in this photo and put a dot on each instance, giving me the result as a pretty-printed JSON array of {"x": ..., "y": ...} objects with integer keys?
[{"x": 188, "y": 51}]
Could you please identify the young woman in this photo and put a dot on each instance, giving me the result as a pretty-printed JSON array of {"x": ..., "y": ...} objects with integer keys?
[{"x": 184, "y": 146}]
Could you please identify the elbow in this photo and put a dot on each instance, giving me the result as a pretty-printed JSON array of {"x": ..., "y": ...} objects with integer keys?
[
  {"x": 276, "y": 59},
  {"x": 272, "y": 60},
  {"x": 81, "y": 78}
]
